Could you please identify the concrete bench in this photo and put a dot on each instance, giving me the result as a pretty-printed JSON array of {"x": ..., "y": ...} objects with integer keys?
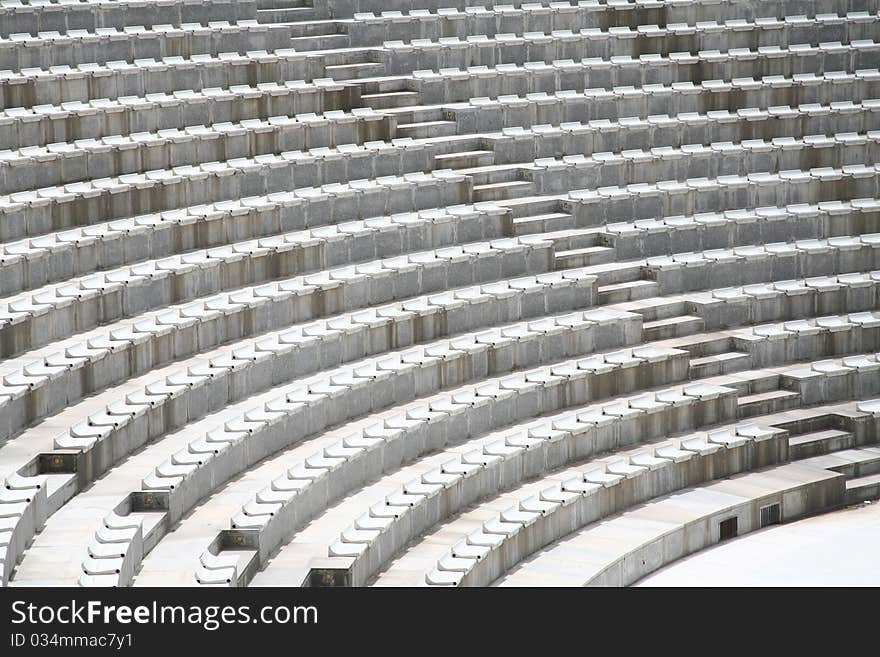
[
  {"x": 37, "y": 212},
  {"x": 133, "y": 349},
  {"x": 393, "y": 522},
  {"x": 320, "y": 294},
  {"x": 740, "y": 100},
  {"x": 215, "y": 457},
  {"x": 603, "y": 13},
  {"x": 639, "y": 541},
  {"x": 104, "y": 44},
  {"x": 44, "y": 124},
  {"x": 23, "y": 509},
  {"x": 641, "y": 201},
  {"x": 33, "y": 16},
  {"x": 366, "y": 28},
  {"x": 292, "y": 499},
  {"x": 115, "y": 155},
  {"x": 704, "y": 37},
  {"x": 457, "y": 84},
  {"x": 788, "y": 300},
  {"x": 28, "y": 264}
]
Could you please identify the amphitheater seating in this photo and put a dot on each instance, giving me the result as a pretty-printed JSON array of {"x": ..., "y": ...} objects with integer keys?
[{"x": 430, "y": 294}]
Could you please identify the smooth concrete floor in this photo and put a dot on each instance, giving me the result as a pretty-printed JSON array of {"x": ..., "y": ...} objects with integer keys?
[{"x": 837, "y": 549}]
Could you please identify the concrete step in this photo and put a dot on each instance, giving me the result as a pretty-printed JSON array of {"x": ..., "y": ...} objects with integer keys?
[
  {"x": 383, "y": 85},
  {"x": 289, "y": 15},
  {"x": 502, "y": 190},
  {"x": 315, "y": 28},
  {"x": 320, "y": 42},
  {"x": 862, "y": 489},
  {"x": 465, "y": 160},
  {"x": 628, "y": 291},
  {"x": 718, "y": 364},
  {"x": 672, "y": 327},
  {"x": 816, "y": 443},
  {"x": 427, "y": 129},
  {"x": 340, "y": 72},
  {"x": 390, "y": 99},
  {"x": 584, "y": 257},
  {"x": 283, "y": 4},
  {"x": 542, "y": 223},
  {"x": 765, "y": 403}
]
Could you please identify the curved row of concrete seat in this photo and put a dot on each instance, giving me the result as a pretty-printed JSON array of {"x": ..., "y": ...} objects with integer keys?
[
  {"x": 79, "y": 82},
  {"x": 105, "y": 44},
  {"x": 296, "y": 496},
  {"x": 54, "y": 208},
  {"x": 695, "y": 195},
  {"x": 595, "y": 11},
  {"x": 790, "y": 59},
  {"x": 36, "y": 212},
  {"x": 193, "y": 472},
  {"x": 368, "y": 27},
  {"x": 32, "y": 212},
  {"x": 725, "y": 228},
  {"x": 166, "y": 337},
  {"x": 799, "y": 339},
  {"x": 392, "y": 538},
  {"x": 340, "y": 135},
  {"x": 606, "y": 488},
  {"x": 326, "y": 292},
  {"x": 627, "y": 478},
  {"x": 600, "y": 77},
  {"x": 270, "y": 219},
  {"x": 129, "y": 42},
  {"x": 838, "y": 93},
  {"x": 114, "y": 155},
  {"x": 77, "y": 252},
  {"x": 35, "y": 15},
  {"x": 548, "y": 101},
  {"x": 95, "y": 118},
  {"x": 787, "y": 300},
  {"x": 704, "y": 36}
]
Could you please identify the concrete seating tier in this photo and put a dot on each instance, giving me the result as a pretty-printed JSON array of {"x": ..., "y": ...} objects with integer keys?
[
  {"x": 615, "y": 12},
  {"x": 541, "y": 102},
  {"x": 367, "y": 28},
  {"x": 655, "y": 532},
  {"x": 32, "y": 15},
  {"x": 427, "y": 292},
  {"x": 338, "y": 135},
  {"x": 622, "y": 480},
  {"x": 600, "y": 76},
  {"x": 321, "y": 294},
  {"x": 192, "y": 473},
  {"x": 635, "y": 409},
  {"x": 105, "y": 44},
  {"x": 741, "y": 100},
  {"x": 543, "y": 444},
  {"x": 40, "y": 125},
  {"x": 65, "y": 83}
]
